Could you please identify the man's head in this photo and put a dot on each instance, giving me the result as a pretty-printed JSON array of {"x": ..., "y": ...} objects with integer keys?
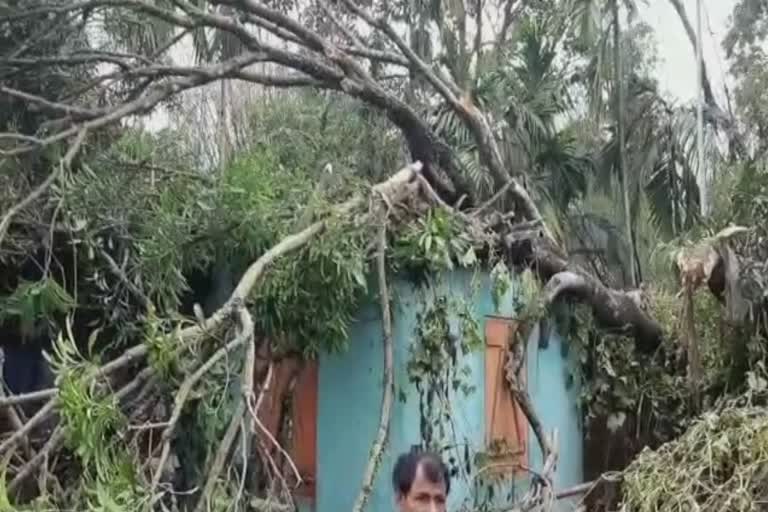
[{"x": 421, "y": 482}]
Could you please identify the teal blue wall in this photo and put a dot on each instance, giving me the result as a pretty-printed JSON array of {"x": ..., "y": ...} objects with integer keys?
[{"x": 350, "y": 387}]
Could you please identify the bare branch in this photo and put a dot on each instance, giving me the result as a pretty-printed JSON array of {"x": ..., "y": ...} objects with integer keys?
[
  {"x": 92, "y": 57},
  {"x": 66, "y": 162},
  {"x": 358, "y": 48},
  {"x": 509, "y": 9},
  {"x": 54, "y": 443},
  {"x": 238, "y": 415},
  {"x": 157, "y": 93},
  {"x": 50, "y": 105},
  {"x": 35, "y": 396},
  {"x": 57, "y": 438},
  {"x": 445, "y": 86},
  {"x": 283, "y": 81},
  {"x": 129, "y": 356},
  {"x": 10, "y": 413},
  {"x": 182, "y": 396},
  {"x": 311, "y": 39},
  {"x": 389, "y": 384}
]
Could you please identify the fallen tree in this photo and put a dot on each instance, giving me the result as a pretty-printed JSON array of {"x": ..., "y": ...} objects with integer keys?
[
  {"x": 322, "y": 62},
  {"x": 331, "y": 61},
  {"x": 400, "y": 188},
  {"x": 403, "y": 192}
]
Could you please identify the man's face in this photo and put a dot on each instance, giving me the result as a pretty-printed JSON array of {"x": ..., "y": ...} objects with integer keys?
[{"x": 425, "y": 496}]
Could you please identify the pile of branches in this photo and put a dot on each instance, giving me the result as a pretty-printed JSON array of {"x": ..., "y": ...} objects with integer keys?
[
  {"x": 135, "y": 387},
  {"x": 720, "y": 460},
  {"x": 720, "y": 463}
]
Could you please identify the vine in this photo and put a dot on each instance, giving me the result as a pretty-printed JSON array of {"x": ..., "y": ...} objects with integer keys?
[
  {"x": 491, "y": 489},
  {"x": 445, "y": 333}
]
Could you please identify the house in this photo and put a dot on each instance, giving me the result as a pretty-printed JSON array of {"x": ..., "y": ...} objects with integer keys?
[{"x": 338, "y": 401}]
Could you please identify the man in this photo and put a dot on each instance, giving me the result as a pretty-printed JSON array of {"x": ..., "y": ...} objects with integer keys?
[{"x": 421, "y": 482}]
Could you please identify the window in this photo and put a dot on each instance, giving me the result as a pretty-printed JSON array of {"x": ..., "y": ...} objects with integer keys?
[
  {"x": 291, "y": 376},
  {"x": 506, "y": 427}
]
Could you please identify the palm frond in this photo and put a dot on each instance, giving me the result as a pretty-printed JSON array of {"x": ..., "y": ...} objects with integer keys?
[
  {"x": 565, "y": 169},
  {"x": 663, "y": 199},
  {"x": 588, "y": 16},
  {"x": 144, "y": 35}
]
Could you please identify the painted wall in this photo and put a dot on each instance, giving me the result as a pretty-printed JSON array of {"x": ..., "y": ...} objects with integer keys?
[{"x": 349, "y": 398}]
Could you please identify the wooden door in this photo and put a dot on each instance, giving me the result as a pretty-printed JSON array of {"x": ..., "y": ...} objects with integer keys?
[{"x": 506, "y": 433}]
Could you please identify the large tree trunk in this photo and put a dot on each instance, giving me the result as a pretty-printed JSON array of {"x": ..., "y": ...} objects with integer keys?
[{"x": 617, "y": 310}]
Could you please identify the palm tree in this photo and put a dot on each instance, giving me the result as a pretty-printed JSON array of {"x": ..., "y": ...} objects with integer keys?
[
  {"x": 527, "y": 98},
  {"x": 591, "y": 15},
  {"x": 655, "y": 150},
  {"x": 620, "y": 107}
]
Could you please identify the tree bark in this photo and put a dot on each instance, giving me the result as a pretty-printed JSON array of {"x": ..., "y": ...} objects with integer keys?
[
  {"x": 377, "y": 449},
  {"x": 613, "y": 309}
]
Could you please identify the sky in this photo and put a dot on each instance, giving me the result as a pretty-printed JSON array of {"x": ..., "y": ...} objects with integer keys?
[{"x": 677, "y": 67}]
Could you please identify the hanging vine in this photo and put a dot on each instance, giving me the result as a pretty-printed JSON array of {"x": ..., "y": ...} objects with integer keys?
[{"x": 446, "y": 332}]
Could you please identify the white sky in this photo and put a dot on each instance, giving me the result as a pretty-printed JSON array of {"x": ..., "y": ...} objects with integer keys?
[{"x": 677, "y": 66}]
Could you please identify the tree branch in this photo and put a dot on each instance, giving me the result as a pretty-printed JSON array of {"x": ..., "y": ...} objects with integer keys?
[
  {"x": 237, "y": 417},
  {"x": 51, "y": 445},
  {"x": 509, "y": 7},
  {"x": 396, "y": 188},
  {"x": 183, "y": 394},
  {"x": 475, "y": 120},
  {"x": 53, "y": 106},
  {"x": 57, "y": 438},
  {"x": 446, "y": 87},
  {"x": 386, "y": 402},
  {"x": 66, "y": 162},
  {"x": 393, "y": 187},
  {"x": 613, "y": 309},
  {"x": 129, "y": 356},
  {"x": 34, "y": 396},
  {"x": 11, "y": 413}
]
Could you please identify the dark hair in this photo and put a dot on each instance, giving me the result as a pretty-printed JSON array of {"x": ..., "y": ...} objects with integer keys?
[{"x": 431, "y": 464}]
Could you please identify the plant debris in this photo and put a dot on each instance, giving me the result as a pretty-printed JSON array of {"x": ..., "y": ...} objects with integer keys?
[{"x": 720, "y": 463}]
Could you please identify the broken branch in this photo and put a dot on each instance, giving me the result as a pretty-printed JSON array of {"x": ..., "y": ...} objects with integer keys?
[
  {"x": 183, "y": 394},
  {"x": 237, "y": 417},
  {"x": 613, "y": 309},
  {"x": 388, "y": 391}
]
